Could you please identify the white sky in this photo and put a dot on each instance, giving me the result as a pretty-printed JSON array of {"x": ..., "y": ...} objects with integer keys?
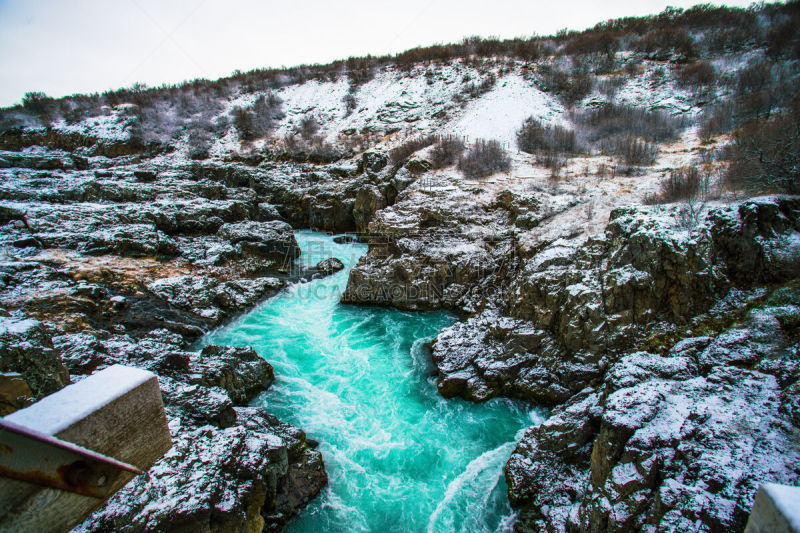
[{"x": 67, "y": 46}]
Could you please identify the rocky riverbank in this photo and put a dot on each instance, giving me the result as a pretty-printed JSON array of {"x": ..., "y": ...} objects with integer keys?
[
  {"x": 668, "y": 347},
  {"x": 124, "y": 261}
]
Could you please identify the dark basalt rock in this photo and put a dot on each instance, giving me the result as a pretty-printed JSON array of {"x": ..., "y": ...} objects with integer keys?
[
  {"x": 374, "y": 162},
  {"x": 575, "y": 303},
  {"x": 671, "y": 441},
  {"x": 210, "y": 298},
  {"x": 197, "y": 404},
  {"x": 368, "y": 201},
  {"x": 132, "y": 265},
  {"x": 242, "y": 478},
  {"x": 240, "y": 371},
  {"x": 329, "y": 266},
  {"x": 346, "y": 239},
  {"x": 26, "y": 347},
  {"x": 145, "y": 176},
  {"x": 273, "y": 239}
]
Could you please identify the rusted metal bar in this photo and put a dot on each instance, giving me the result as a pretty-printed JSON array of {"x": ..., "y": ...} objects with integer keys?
[
  {"x": 117, "y": 412},
  {"x": 28, "y": 455}
]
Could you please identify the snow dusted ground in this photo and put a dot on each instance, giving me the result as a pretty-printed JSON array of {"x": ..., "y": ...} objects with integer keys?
[
  {"x": 499, "y": 113},
  {"x": 655, "y": 89},
  {"x": 397, "y": 104},
  {"x": 113, "y": 125},
  {"x": 416, "y": 103}
]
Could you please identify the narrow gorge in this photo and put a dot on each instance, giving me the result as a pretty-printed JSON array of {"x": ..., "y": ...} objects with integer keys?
[
  {"x": 359, "y": 379},
  {"x": 545, "y": 284}
]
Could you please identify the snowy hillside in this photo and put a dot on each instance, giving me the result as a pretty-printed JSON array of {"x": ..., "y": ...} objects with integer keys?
[{"x": 425, "y": 100}]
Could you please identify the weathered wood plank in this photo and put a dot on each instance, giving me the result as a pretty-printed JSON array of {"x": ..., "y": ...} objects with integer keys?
[
  {"x": 775, "y": 510},
  {"x": 117, "y": 412}
]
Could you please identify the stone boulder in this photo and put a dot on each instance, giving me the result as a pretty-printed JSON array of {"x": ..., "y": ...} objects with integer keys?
[
  {"x": 253, "y": 476},
  {"x": 211, "y": 480},
  {"x": 195, "y": 404},
  {"x": 26, "y": 347},
  {"x": 241, "y": 372},
  {"x": 272, "y": 240},
  {"x": 128, "y": 240},
  {"x": 329, "y": 266},
  {"x": 211, "y": 298},
  {"x": 674, "y": 441},
  {"x": 368, "y": 201},
  {"x": 374, "y": 162}
]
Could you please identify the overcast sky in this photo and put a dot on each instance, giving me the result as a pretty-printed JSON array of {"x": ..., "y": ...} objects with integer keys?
[{"x": 66, "y": 46}]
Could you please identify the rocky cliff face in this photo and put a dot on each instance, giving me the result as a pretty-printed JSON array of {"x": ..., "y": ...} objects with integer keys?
[
  {"x": 577, "y": 304},
  {"x": 122, "y": 261},
  {"x": 671, "y": 441},
  {"x": 669, "y": 349}
]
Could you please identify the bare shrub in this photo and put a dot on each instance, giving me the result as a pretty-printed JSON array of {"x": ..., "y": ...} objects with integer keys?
[
  {"x": 527, "y": 50},
  {"x": 784, "y": 41},
  {"x": 697, "y": 75},
  {"x": 763, "y": 88},
  {"x": 553, "y": 162},
  {"x": 315, "y": 150},
  {"x": 323, "y": 152},
  {"x": 360, "y": 70},
  {"x": 40, "y": 105},
  {"x": 483, "y": 159},
  {"x": 202, "y": 132},
  {"x": 399, "y": 155},
  {"x": 408, "y": 59},
  {"x": 358, "y": 142},
  {"x": 199, "y": 144},
  {"x": 765, "y": 154},
  {"x": 731, "y": 39},
  {"x": 552, "y": 145},
  {"x": 690, "y": 214},
  {"x": 716, "y": 119},
  {"x": 447, "y": 151},
  {"x": 682, "y": 184},
  {"x": 593, "y": 43},
  {"x": 611, "y": 120},
  {"x": 633, "y": 68},
  {"x": 756, "y": 93},
  {"x": 244, "y": 122},
  {"x": 609, "y": 86},
  {"x": 759, "y": 90},
  {"x": 631, "y": 151},
  {"x": 308, "y": 127},
  {"x": 685, "y": 184},
  {"x": 570, "y": 86},
  {"x": 161, "y": 121},
  {"x": 668, "y": 42},
  {"x": 350, "y": 103},
  {"x": 536, "y": 138},
  {"x": 474, "y": 90},
  {"x": 290, "y": 142},
  {"x": 258, "y": 120}
]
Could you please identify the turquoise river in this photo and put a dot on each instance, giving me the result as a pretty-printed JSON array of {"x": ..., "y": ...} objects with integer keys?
[{"x": 359, "y": 380}]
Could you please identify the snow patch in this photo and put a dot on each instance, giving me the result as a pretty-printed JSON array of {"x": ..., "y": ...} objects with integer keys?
[{"x": 498, "y": 114}]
